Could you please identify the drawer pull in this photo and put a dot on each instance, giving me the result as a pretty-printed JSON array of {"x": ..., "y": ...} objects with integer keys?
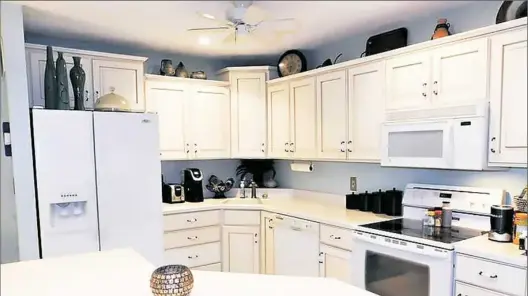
[
  {"x": 192, "y": 237},
  {"x": 192, "y": 257},
  {"x": 490, "y": 276},
  {"x": 192, "y": 220},
  {"x": 335, "y": 237}
]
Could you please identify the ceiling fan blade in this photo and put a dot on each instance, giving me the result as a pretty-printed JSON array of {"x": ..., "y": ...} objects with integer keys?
[
  {"x": 209, "y": 29},
  {"x": 213, "y": 19},
  {"x": 289, "y": 19}
]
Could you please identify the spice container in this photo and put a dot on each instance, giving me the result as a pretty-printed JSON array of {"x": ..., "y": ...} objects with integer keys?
[
  {"x": 521, "y": 226},
  {"x": 430, "y": 218},
  {"x": 438, "y": 217},
  {"x": 447, "y": 214}
]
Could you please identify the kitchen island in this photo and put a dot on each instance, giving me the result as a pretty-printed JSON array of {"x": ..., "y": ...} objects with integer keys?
[{"x": 124, "y": 272}]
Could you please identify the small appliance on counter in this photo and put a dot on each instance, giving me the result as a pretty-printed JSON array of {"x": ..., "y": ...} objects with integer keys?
[
  {"x": 172, "y": 193},
  {"x": 191, "y": 179},
  {"x": 380, "y": 202},
  {"x": 501, "y": 222}
]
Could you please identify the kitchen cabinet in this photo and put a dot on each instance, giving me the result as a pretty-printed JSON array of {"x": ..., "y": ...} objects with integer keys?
[
  {"x": 332, "y": 115},
  {"x": 303, "y": 118},
  {"x": 241, "y": 250},
  {"x": 124, "y": 78},
  {"x": 508, "y": 100},
  {"x": 278, "y": 121},
  {"x": 335, "y": 263},
  {"x": 469, "y": 290},
  {"x": 105, "y": 72},
  {"x": 454, "y": 74},
  {"x": 248, "y": 109},
  {"x": 192, "y": 116},
  {"x": 366, "y": 102},
  {"x": 267, "y": 244},
  {"x": 168, "y": 100}
]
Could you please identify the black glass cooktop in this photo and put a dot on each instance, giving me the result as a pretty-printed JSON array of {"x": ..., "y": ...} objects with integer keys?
[{"x": 414, "y": 228}]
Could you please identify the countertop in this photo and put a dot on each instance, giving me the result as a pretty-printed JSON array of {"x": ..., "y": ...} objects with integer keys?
[
  {"x": 482, "y": 247},
  {"x": 290, "y": 206},
  {"x": 125, "y": 272}
]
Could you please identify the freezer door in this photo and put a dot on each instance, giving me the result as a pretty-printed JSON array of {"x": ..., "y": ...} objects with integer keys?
[
  {"x": 65, "y": 182},
  {"x": 128, "y": 172}
]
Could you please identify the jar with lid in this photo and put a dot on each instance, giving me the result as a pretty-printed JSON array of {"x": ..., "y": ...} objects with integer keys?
[
  {"x": 438, "y": 217},
  {"x": 447, "y": 214},
  {"x": 429, "y": 218}
]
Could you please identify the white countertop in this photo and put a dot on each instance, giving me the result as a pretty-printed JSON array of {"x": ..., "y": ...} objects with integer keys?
[
  {"x": 482, "y": 247},
  {"x": 124, "y": 272},
  {"x": 292, "y": 206}
]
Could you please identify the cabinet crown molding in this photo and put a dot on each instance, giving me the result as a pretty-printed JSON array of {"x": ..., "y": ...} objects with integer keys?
[
  {"x": 80, "y": 52},
  {"x": 247, "y": 69},
  {"x": 161, "y": 78}
]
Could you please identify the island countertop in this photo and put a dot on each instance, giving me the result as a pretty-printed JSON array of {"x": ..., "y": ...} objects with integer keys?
[
  {"x": 482, "y": 247},
  {"x": 125, "y": 272}
]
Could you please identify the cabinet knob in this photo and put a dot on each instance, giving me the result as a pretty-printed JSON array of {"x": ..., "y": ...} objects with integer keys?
[
  {"x": 424, "y": 94},
  {"x": 343, "y": 146},
  {"x": 286, "y": 147},
  {"x": 349, "y": 143},
  {"x": 491, "y": 141}
]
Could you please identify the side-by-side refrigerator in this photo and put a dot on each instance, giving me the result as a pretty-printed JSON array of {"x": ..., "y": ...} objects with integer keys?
[{"x": 98, "y": 182}]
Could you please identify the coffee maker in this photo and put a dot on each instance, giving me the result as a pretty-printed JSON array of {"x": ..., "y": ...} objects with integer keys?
[
  {"x": 501, "y": 222},
  {"x": 191, "y": 180}
]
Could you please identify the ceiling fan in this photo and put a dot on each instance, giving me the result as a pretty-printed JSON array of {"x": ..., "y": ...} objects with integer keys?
[{"x": 245, "y": 19}]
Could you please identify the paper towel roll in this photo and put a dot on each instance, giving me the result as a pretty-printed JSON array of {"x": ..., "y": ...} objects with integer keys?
[{"x": 306, "y": 167}]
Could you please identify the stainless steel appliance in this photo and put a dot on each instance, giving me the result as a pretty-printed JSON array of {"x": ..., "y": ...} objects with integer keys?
[
  {"x": 501, "y": 222},
  {"x": 401, "y": 257},
  {"x": 192, "y": 183},
  {"x": 173, "y": 193}
]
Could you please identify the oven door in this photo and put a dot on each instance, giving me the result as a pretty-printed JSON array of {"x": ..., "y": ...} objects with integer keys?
[
  {"x": 425, "y": 144},
  {"x": 397, "y": 271}
]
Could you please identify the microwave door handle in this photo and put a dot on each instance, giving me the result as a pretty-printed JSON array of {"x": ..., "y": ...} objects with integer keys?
[{"x": 450, "y": 145}]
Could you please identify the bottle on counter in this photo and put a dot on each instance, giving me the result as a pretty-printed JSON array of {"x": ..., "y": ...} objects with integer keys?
[
  {"x": 521, "y": 226},
  {"x": 429, "y": 218},
  {"x": 438, "y": 217},
  {"x": 447, "y": 214}
]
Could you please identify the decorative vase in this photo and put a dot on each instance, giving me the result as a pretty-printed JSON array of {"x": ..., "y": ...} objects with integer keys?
[
  {"x": 442, "y": 29},
  {"x": 78, "y": 78},
  {"x": 63, "y": 97},
  {"x": 181, "y": 71},
  {"x": 199, "y": 75},
  {"x": 50, "y": 81},
  {"x": 171, "y": 280},
  {"x": 167, "y": 69}
]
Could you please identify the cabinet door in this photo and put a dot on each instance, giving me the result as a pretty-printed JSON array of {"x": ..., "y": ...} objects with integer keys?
[
  {"x": 248, "y": 115},
  {"x": 267, "y": 246},
  {"x": 508, "y": 105},
  {"x": 210, "y": 122},
  {"x": 122, "y": 78},
  {"x": 168, "y": 100},
  {"x": 36, "y": 63},
  {"x": 303, "y": 118},
  {"x": 460, "y": 73},
  {"x": 331, "y": 115},
  {"x": 366, "y": 100},
  {"x": 241, "y": 249},
  {"x": 335, "y": 263},
  {"x": 278, "y": 121},
  {"x": 408, "y": 81}
]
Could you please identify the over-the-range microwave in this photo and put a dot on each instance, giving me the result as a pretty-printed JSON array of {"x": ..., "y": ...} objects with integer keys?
[{"x": 443, "y": 138}]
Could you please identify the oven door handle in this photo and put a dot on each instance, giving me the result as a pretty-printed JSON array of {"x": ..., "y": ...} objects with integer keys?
[{"x": 410, "y": 247}]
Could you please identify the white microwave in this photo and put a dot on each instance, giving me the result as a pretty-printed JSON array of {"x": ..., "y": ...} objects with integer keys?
[{"x": 443, "y": 143}]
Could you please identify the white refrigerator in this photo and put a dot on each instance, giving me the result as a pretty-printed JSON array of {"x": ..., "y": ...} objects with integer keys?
[{"x": 98, "y": 182}]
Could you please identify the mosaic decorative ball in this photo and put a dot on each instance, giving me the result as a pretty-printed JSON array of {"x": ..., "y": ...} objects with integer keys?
[{"x": 172, "y": 280}]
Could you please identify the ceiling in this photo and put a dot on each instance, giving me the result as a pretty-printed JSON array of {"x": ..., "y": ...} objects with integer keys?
[{"x": 162, "y": 25}]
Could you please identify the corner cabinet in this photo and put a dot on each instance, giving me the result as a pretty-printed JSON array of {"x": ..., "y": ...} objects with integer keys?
[
  {"x": 248, "y": 109},
  {"x": 105, "y": 73},
  {"x": 241, "y": 249},
  {"x": 508, "y": 144},
  {"x": 193, "y": 116},
  {"x": 279, "y": 120}
]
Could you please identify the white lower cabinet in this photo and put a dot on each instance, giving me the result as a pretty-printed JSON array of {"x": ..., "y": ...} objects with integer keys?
[
  {"x": 469, "y": 290},
  {"x": 241, "y": 249},
  {"x": 194, "y": 255},
  {"x": 335, "y": 263}
]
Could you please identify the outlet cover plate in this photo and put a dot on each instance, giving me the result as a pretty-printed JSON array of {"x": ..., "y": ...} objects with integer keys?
[{"x": 353, "y": 184}]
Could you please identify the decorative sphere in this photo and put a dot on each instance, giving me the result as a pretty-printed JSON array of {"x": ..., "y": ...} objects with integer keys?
[{"x": 172, "y": 280}]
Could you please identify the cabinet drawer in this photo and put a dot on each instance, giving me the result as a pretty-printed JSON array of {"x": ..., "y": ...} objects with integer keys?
[
  {"x": 490, "y": 275},
  {"x": 467, "y": 290},
  {"x": 210, "y": 267},
  {"x": 195, "y": 255},
  {"x": 241, "y": 217},
  {"x": 191, "y": 220},
  {"x": 190, "y": 237},
  {"x": 337, "y": 237}
]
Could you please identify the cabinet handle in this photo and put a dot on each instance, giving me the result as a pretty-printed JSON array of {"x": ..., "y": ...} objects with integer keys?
[
  {"x": 263, "y": 150},
  {"x": 192, "y": 220},
  {"x": 86, "y": 100},
  {"x": 291, "y": 147},
  {"x": 279, "y": 218},
  {"x": 335, "y": 237},
  {"x": 192, "y": 237},
  {"x": 491, "y": 141},
  {"x": 436, "y": 90},
  {"x": 96, "y": 94},
  {"x": 195, "y": 149},
  {"x": 286, "y": 147},
  {"x": 349, "y": 143},
  {"x": 424, "y": 93},
  {"x": 187, "y": 148},
  {"x": 343, "y": 146},
  {"x": 295, "y": 228},
  {"x": 192, "y": 257},
  {"x": 490, "y": 276}
]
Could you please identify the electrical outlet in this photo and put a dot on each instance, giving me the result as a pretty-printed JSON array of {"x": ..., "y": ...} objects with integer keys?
[{"x": 353, "y": 184}]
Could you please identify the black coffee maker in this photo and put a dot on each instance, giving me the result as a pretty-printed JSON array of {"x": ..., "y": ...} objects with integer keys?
[{"x": 191, "y": 180}]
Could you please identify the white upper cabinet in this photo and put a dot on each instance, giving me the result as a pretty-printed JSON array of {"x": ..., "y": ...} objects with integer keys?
[
  {"x": 210, "y": 111},
  {"x": 508, "y": 99},
  {"x": 124, "y": 78},
  {"x": 366, "y": 96},
  {"x": 241, "y": 249},
  {"x": 331, "y": 115},
  {"x": 303, "y": 116},
  {"x": 460, "y": 73},
  {"x": 407, "y": 81},
  {"x": 168, "y": 100},
  {"x": 278, "y": 121}
]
